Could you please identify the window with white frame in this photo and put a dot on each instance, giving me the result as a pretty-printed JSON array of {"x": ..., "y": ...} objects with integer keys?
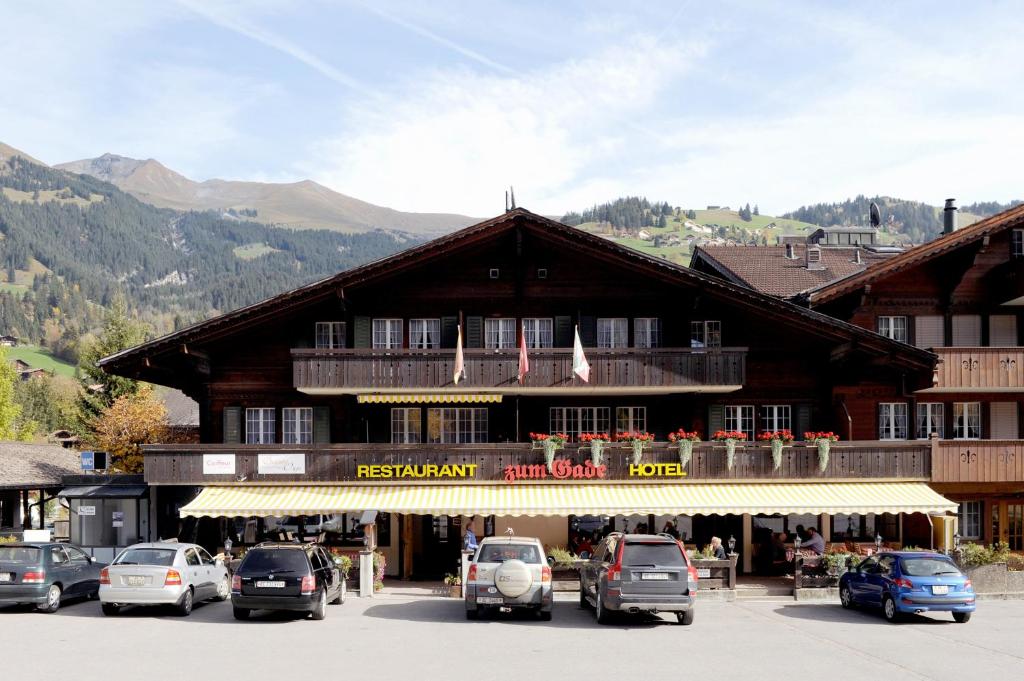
[
  {"x": 574, "y": 421},
  {"x": 630, "y": 419},
  {"x": 892, "y": 421},
  {"x": 424, "y": 334},
  {"x": 775, "y": 417},
  {"x": 500, "y": 333},
  {"x": 740, "y": 418},
  {"x": 539, "y": 332},
  {"x": 405, "y": 425},
  {"x": 967, "y": 420},
  {"x": 706, "y": 334},
  {"x": 450, "y": 425},
  {"x": 893, "y": 327},
  {"x": 259, "y": 426},
  {"x": 1017, "y": 243},
  {"x": 612, "y": 332},
  {"x": 930, "y": 419},
  {"x": 646, "y": 332},
  {"x": 297, "y": 425},
  {"x": 330, "y": 335},
  {"x": 387, "y": 334},
  {"x": 969, "y": 519}
]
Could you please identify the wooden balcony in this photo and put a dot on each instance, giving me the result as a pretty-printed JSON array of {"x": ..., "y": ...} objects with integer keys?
[
  {"x": 183, "y": 464},
  {"x": 621, "y": 371},
  {"x": 966, "y": 370},
  {"x": 978, "y": 461}
]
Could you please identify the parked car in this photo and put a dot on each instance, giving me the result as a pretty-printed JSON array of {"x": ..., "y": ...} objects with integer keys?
[
  {"x": 296, "y": 577},
  {"x": 46, "y": 574},
  {"x": 509, "y": 573},
  {"x": 163, "y": 573},
  {"x": 903, "y": 582},
  {"x": 634, "y": 573}
]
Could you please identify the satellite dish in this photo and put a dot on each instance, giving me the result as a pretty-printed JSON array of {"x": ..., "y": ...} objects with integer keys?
[{"x": 876, "y": 216}]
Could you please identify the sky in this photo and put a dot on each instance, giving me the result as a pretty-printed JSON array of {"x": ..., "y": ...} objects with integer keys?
[{"x": 440, "y": 106}]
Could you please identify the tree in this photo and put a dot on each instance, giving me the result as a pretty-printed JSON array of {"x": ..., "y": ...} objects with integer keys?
[
  {"x": 691, "y": 214},
  {"x": 132, "y": 420},
  {"x": 756, "y": 211},
  {"x": 101, "y": 389},
  {"x": 10, "y": 410},
  {"x": 48, "y": 403}
]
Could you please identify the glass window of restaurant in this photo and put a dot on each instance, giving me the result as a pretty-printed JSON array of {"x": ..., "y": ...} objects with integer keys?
[
  {"x": 574, "y": 421},
  {"x": 864, "y": 527},
  {"x": 451, "y": 425},
  {"x": 405, "y": 425}
]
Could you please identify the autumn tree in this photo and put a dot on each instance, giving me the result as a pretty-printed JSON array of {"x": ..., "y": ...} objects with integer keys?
[
  {"x": 134, "y": 419},
  {"x": 10, "y": 410}
]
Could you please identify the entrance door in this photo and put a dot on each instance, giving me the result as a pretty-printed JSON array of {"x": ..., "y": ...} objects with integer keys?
[
  {"x": 441, "y": 547},
  {"x": 1015, "y": 526}
]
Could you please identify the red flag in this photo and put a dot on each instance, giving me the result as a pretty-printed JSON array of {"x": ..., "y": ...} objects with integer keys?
[{"x": 524, "y": 360}]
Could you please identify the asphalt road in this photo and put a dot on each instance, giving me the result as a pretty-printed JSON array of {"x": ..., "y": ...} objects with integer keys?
[{"x": 402, "y": 637}]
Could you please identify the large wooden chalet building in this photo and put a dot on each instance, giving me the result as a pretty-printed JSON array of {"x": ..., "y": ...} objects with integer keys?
[{"x": 339, "y": 397}]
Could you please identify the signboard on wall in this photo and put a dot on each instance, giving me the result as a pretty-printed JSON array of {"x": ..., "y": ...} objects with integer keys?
[
  {"x": 218, "y": 464},
  {"x": 117, "y": 518},
  {"x": 86, "y": 510},
  {"x": 281, "y": 464}
]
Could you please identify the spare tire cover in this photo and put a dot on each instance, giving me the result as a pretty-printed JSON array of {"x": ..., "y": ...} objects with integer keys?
[{"x": 513, "y": 578}]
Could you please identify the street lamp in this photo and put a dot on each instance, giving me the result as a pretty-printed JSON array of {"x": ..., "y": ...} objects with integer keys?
[
  {"x": 878, "y": 543},
  {"x": 732, "y": 545}
]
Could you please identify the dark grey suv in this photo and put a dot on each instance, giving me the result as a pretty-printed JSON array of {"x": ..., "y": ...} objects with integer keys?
[
  {"x": 634, "y": 573},
  {"x": 297, "y": 577}
]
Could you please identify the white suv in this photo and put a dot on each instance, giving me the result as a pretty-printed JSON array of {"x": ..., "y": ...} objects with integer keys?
[{"x": 506, "y": 573}]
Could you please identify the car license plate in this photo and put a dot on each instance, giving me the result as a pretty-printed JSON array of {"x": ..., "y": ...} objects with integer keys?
[
  {"x": 135, "y": 580},
  {"x": 489, "y": 600},
  {"x": 5, "y": 577},
  {"x": 654, "y": 575},
  {"x": 270, "y": 585},
  {"x": 940, "y": 590}
]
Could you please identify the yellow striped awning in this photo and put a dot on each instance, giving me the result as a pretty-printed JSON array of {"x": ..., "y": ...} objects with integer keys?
[
  {"x": 565, "y": 499},
  {"x": 428, "y": 398}
]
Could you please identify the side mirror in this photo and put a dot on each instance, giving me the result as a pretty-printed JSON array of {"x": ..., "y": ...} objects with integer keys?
[{"x": 92, "y": 559}]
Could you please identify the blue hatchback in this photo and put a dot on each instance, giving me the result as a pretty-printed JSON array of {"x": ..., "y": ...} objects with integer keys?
[{"x": 903, "y": 582}]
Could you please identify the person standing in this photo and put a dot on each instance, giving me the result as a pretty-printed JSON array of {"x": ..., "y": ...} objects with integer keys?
[{"x": 469, "y": 542}]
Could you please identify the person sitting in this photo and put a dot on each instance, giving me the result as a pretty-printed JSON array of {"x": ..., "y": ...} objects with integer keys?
[
  {"x": 585, "y": 547},
  {"x": 670, "y": 529},
  {"x": 717, "y": 549},
  {"x": 814, "y": 542},
  {"x": 780, "y": 565}
]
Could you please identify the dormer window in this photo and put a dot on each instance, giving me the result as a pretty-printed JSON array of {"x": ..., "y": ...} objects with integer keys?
[{"x": 330, "y": 335}]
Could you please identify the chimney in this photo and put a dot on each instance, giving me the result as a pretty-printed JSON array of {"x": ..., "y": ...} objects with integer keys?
[
  {"x": 856, "y": 256},
  {"x": 813, "y": 258},
  {"x": 789, "y": 251},
  {"x": 949, "y": 217}
]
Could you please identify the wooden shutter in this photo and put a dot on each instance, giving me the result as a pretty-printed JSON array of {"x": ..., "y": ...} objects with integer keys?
[
  {"x": 716, "y": 419},
  {"x": 659, "y": 341},
  {"x": 449, "y": 331},
  {"x": 232, "y": 425},
  {"x": 588, "y": 331},
  {"x": 801, "y": 420},
  {"x": 929, "y": 331},
  {"x": 1003, "y": 421},
  {"x": 362, "y": 333},
  {"x": 966, "y": 330},
  {"x": 474, "y": 332},
  {"x": 1002, "y": 331},
  {"x": 321, "y": 425},
  {"x": 563, "y": 332}
]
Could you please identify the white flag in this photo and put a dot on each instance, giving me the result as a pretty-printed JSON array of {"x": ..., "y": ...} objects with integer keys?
[
  {"x": 580, "y": 366},
  {"x": 460, "y": 361}
]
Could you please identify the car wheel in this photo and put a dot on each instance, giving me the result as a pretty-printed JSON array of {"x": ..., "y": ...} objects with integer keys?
[
  {"x": 223, "y": 590},
  {"x": 320, "y": 611},
  {"x": 603, "y": 616},
  {"x": 544, "y": 615},
  {"x": 845, "y": 597},
  {"x": 52, "y": 603},
  {"x": 241, "y": 613},
  {"x": 184, "y": 607},
  {"x": 962, "y": 617},
  {"x": 109, "y": 609},
  {"x": 889, "y": 609},
  {"x": 472, "y": 613},
  {"x": 584, "y": 603},
  {"x": 685, "y": 617}
]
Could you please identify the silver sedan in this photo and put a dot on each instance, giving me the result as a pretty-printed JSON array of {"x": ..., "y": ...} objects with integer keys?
[{"x": 165, "y": 573}]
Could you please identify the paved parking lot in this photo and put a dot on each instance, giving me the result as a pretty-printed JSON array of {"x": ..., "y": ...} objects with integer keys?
[{"x": 402, "y": 637}]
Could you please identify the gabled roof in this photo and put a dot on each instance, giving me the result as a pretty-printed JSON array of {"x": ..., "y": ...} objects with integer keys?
[
  {"x": 741, "y": 296},
  {"x": 32, "y": 466},
  {"x": 946, "y": 243}
]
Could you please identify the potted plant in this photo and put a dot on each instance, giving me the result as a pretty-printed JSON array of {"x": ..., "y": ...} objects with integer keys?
[
  {"x": 636, "y": 442},
  {"x": 379, "y": 564},
  {"x": 454, "y": 584},
  {"x": 823, "y": 441},
  {"x": 597, "y": 442},
  {"x": 730, "y": 438},
  {"x": 684, "y": 441},
  {"x": 550, "y": 444},
  {"x": 777, "y": 439}
]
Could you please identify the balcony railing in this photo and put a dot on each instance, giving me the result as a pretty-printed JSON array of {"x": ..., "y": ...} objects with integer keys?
[
  {"x": 978, "y": 461},
  {"x": 184, "y": 464},
  {"x": 980, "y": 369},
  {"x": 621, "y": 369}
]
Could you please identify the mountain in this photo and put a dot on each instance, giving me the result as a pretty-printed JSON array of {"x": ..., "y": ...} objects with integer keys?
[
  {"x": 7, "y": 152},
  {"x": 299, "y": 205}
]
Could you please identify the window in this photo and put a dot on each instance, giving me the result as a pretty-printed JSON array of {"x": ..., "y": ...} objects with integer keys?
[
  {"x": 191, "y": 557},
  {"x": 630, "y": 419},
  {"x": 539, "y": 333},
  {"x": 1017, "y": 243},
  {"x": 573, "y": 421},
  {"x": 424, "y": 334},
  {"x": 864, "y": 526},
  {"x": 613, "y": 332},
  {"x": 647, "y": 332},
  {"x": 929, "y": 419},
  {"x": 892, "y": 421},
  {"x": 499, "y": 334},
  {"x": 969, "y": 519},
  {"x": 776, "y": 417},
  {"x": 330, "y": 335},
  {"x": 57, "y": 555},
  {"x": 967, "y": 420},
  {"x": 205, "y": 557},
  {"x": 456, "y": 425},
  {"x": 387, "y": 334},
  {"x": 706, "y": 334},
  {"x": 297, "y": 425},
  {"x": 75, "y": 555},
  {"x": 740, "y": 418},
  {"x": 405, "y": 425},
  {"x": 893, "y": 327},
  {"x": 259, "y": 426}
]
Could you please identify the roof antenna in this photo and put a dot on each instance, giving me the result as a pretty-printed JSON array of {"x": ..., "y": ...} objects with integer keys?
[
  {"x": 512, "y": 192},
  {"x": 506, "y": 201}
]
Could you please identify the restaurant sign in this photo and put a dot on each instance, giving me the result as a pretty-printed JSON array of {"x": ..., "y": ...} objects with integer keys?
[
  {"x": 409, "y": 471},
  {"x": 565, "y": 469},
  {"x": 218, "y": 464},
  {"x": 281, "y": 464}
]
